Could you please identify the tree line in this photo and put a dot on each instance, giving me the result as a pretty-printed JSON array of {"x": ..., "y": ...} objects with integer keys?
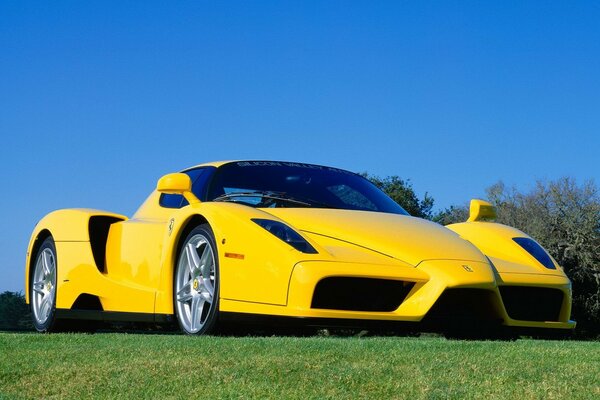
[{"x": 562, "y": 215}]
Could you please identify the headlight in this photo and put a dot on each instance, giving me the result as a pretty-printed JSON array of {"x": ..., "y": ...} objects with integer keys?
[
  {"x": 287, "y": 234},
  {"x": 537, "y": 251}
]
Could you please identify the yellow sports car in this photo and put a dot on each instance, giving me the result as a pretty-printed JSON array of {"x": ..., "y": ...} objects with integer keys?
[{"x": 270, "y": 241}]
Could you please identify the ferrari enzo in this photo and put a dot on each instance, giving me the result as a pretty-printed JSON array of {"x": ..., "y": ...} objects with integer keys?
[{"x": 281, "y": 242}]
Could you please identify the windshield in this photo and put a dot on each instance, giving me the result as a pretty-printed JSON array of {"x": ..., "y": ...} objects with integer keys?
[{"x": 285, "y": 184}]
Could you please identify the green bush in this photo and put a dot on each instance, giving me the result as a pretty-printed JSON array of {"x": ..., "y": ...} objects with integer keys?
[{"x": 14, "y": 312}]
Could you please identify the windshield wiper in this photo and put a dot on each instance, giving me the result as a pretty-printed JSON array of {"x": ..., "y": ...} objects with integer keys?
[
  {"x": 319, "y": 204},
  {"x": 264, "y": 195}
]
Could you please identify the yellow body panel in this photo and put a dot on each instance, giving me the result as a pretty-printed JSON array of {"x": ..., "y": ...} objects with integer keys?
[
  {"x": 495, "y": 241},
  {"x": 65, "y": 226},
  {"x": 400, "y": 237},
  {"x": 269, "y": 277},
  {"x": 115, "y": 294},
  {"x": 132, "y": 260}
]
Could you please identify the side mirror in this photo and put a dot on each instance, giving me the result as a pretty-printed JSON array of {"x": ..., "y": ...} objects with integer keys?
[
  {"x": 177, "y": 183},
  {"x": 481, "y": 211}
]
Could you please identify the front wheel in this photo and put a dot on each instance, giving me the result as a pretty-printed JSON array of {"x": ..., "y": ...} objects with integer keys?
[{"x": 196, "y": 283}]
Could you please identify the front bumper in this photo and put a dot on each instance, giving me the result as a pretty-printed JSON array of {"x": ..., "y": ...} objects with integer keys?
[{"x": 474, "y": 286}]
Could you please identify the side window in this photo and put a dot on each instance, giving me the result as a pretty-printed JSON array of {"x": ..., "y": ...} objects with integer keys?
[
  {"x": 170, "y": 200},
  {"x": 199, "y": 176},
  {"x": 352, "y": 197}
]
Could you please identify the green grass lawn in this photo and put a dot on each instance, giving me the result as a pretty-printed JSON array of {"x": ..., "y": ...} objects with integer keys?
[{"x": 118, "y": 365}]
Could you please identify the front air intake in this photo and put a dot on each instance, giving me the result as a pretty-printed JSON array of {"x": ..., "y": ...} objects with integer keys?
[
  {"x": 360, "y": 294},
  {"x": 532, "y": 303},
  {"x": 463, "y": 306}
]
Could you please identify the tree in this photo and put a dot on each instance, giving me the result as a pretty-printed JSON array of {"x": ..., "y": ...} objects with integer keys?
[
  {"x": 452, "y": 215},
  {"x": 402, "y": 192},
  {"x": 14, "y": 312}
]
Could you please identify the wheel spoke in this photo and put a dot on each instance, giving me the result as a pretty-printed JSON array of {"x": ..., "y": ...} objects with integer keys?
[
  {"x": 206, "y": 296},
  {"x": 47, "y": 310},
  {"x": 208, "y": 285},
  {"x": 196, "y": 312},
  {"x": 45, "y": 306},
  {"x": 205, "y": 260},
  {"x": 185, "y": 293},
  {"x": 46, "y": 263},
  {"x": 193, "y": 259},
  {"x": 38, "y": 287}
]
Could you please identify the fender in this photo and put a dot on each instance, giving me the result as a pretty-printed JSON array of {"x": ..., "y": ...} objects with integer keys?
[
  {"x": 71, "y": 225},
  {"x": 235, "y": 219},
  {"x": 496, "y": 242}
]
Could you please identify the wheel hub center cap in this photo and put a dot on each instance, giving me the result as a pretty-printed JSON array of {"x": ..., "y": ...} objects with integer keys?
[{"x": 195, "y": 284}]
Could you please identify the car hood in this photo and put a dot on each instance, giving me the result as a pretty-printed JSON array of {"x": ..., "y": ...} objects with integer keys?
[{"x": 402, "y": 237}]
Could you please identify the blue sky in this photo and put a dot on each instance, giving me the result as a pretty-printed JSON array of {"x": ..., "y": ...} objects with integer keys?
[{"x": 99, "y": 99}]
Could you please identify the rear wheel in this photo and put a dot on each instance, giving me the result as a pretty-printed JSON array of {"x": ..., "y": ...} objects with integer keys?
[
  {"x": 42, "y": 291},
  {"x": 196, "y": 283}
]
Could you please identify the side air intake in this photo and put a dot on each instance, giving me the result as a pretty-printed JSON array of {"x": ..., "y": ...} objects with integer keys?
[
  {"x": 99, "y": 226},
  {"x": 87, "y": 302}
]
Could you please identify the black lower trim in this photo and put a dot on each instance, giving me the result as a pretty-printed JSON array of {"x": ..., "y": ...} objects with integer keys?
[
  {"x": 316, "y": 322},
  {"x": 260, "y": 320},
  {"x": 112, "y": 316},
  {"x": 544, "y": 333},
  {"x": 485, "y": 328}
]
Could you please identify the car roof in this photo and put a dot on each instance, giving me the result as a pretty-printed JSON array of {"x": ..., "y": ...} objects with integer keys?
[
  {"x": 211, "y": 164},
  {"x": 218, "y": 164}
]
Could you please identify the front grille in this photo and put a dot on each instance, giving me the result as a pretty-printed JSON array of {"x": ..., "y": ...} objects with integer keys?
[
  {"x": 463, "y": 305},
  {"x": 532, "y": 303},
  {"x": 360, "y": 294}
]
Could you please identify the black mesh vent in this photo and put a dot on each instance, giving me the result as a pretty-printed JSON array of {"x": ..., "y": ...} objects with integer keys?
[
  {"x": 532, "y": 303},
  {"x": 458, "y": 305},
  {"x": 360, "y": 294}
]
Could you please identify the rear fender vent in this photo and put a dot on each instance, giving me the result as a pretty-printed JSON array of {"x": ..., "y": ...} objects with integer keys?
[
  {"x": 532, "y": 303},
  {"x": 360, "y": 294},
  {"x": 99, "y": 226}
]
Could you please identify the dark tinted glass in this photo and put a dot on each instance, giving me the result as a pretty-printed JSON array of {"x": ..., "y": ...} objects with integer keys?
[
  {"x": 537, "y": 251},
  {"x": 199, "y": 177},
  {"x": 170, "y": 200},
  {"x": 313, "y": 185}
]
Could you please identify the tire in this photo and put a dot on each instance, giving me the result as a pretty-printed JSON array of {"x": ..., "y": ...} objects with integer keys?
[
  {"x": 196, "y": 283},
  {"x": 42, "y": 287}
]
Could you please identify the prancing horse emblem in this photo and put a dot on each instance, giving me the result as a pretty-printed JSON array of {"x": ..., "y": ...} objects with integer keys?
[
  {"x": 171, "y": 222},
  {"x": 467, "y": 268}
]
